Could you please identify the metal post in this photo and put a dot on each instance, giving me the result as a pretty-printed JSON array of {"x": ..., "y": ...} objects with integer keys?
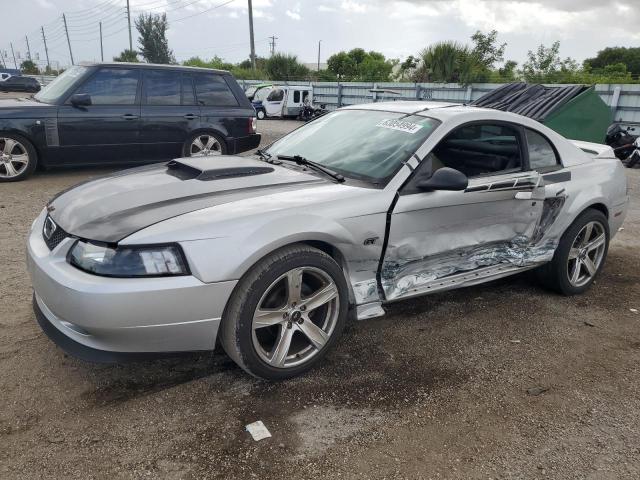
[
  {"x": 319, "y": 42},
  {"x": 129, "y": 22},
  {"x": 614, "y": 101},
  {"x": 101, "y": 50},
  {"x": 339, "y": 94},
  {"x": 14, "y": 56},
  {"x": 253, "y": 47},
  {"x": 46, "y": 50},
  {"x": 64, "y": 19},
  {"x": 28, "y": 48}
]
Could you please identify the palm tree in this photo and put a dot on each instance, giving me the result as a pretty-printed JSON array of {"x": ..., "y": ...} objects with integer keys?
[{"x": 445, "y": 62}]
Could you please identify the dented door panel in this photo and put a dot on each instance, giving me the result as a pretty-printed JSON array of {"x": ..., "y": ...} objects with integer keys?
[{"x": 438, "y": 234}]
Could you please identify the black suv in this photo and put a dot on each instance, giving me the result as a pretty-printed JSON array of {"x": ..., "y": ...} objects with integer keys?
[
  {"x": 20, "y": 84},
  {"x": 124, "y": 113}
]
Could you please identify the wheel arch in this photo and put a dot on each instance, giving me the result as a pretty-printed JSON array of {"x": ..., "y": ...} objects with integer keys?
[{"x": 210, "y": 130}]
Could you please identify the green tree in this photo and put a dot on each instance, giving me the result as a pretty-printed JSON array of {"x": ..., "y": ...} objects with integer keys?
[
  {"x": 486, "y": 49},
  {"x": 545, "y": 66},
  {"x": 29, "y": 67},
  {"x": 630, "y": 57},
  {"x": 285, "y": 67},
  {"x": 127, "y": 56},
  {"x": 154, "y": 45},
  {"x": 446, "y": 62},
  {"x": 360, "y": 65}
]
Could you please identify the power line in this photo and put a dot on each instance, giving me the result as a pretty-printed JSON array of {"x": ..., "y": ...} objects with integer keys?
[{"x": 272, "y": 44}]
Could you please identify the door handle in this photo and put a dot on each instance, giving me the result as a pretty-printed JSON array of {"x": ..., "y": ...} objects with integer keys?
[
  {"x": 129, "y": 116},
  {"x": 190, "y": 116},
  {"x": 524, "y": 195}
]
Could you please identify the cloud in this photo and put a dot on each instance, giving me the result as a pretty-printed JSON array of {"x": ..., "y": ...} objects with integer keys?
[
  {"x": 293, "y": 15},
  {"x": 354, "y": 7},
  {"x": 326, "y": 8}
]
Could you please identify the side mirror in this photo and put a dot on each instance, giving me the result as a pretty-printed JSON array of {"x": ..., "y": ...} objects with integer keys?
[
  {"x": 444, "y": 179},
  {"x": 80, "y": 100}
]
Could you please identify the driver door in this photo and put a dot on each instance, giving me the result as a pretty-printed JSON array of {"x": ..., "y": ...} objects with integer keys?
[{"x": 444, "y": 239}]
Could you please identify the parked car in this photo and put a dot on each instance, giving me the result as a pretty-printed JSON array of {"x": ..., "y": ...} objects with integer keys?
[
  {"x": 287, "y": 101},
  {"x": 258, "y": 101},
  {"x": 119, "y": 113},
  {"x": 363, "y": 206},
  {"x": 254, "y": 89},
  {"x": 20, "y": 84}
]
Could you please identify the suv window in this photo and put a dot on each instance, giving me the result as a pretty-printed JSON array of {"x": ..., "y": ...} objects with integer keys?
[
  {"x": 541, "y": 153},
  {"x": 162, "y": 87},
  {"x": 112, "y": 86},
  {"x": 211, "y": 89},
  {"x": 479, "y": 149},
  {"x": 188, "y": 95},
  {"x": 276, "y": 95}
]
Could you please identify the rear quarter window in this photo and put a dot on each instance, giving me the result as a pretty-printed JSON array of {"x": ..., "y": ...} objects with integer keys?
[
  {"x": 212, "y": 90},
  {"x": 542, "y": 155}
]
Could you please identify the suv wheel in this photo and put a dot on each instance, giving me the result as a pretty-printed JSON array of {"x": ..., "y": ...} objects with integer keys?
[
  {"x": 286, "y": 313},
  {"x": 18, "y": 158},
  {"x": 204, "y": 144},
  {"x": 580, "y": 255}
]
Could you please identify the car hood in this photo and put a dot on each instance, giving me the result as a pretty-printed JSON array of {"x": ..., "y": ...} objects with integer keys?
[
  {"x": 25, "y": 108},
  {"x": 111, "y": 208}
]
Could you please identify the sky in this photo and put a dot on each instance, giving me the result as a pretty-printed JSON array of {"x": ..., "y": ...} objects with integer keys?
[{"x": 397, "y": 28}]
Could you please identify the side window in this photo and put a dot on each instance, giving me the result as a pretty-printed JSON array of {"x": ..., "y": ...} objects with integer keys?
[
  {"x": 211, "y": 89},
  {"x": 541, "y": 153},
  {"x": 480, "y": 149},
  {"x": 162, "y": 87},
  {"x": 112, "y": 86},
  {"x": 276, "y": 95},
  {"x": 188, "y": 95},
  {"x": 296, "y": 96}
]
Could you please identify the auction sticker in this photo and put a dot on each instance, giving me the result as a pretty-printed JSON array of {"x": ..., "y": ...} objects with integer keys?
[{"x": 393, "y": 124}]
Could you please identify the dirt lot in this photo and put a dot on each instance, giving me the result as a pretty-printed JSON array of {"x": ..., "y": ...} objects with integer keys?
[{"x": 435, "y": 389}]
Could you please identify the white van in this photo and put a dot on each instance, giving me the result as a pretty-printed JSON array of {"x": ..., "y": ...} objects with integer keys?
[{"x": 286, "y": 101}]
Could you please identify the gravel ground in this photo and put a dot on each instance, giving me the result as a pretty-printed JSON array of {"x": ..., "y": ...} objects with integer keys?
[{"x": 435, "y": 389}]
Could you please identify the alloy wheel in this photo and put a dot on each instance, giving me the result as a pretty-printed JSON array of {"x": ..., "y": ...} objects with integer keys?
[
  {"x": 295, "y": 317},
  {"x": 586, "y": 254},
  {"x": 14, "y": 157},
  {"x": 205, "y": 145}
]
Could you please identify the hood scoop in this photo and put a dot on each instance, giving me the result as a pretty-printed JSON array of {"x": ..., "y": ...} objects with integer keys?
[{"x": 188, "y": 169}]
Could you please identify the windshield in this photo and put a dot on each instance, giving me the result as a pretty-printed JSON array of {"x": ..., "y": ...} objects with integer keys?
[
  {"x": 262, "y": 94},
  {"x": 362, "y": 144},
  {"x": 59, "y": 86}
]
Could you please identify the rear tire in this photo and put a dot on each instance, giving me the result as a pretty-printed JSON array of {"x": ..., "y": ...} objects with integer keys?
[
  {"x": 274, "y": 330},
  {"x": 578, "y": 260},
  {"x": 18, "y": 157},
  {"x": 204, "y": 144}
]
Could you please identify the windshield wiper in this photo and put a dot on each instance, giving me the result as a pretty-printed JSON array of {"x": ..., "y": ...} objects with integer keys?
[
  {"x": 316, "y": 166},
  {"x": 264, "y": 155}
]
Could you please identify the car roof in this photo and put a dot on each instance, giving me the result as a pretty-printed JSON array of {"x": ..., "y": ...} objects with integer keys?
[{"x": 151, "y": 65}]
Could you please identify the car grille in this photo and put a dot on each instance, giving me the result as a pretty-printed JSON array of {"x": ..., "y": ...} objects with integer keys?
[{"x": 52, "y": 233}]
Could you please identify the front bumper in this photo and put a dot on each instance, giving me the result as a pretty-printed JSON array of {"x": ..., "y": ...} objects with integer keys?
[
  {"x": 102, "y": 316},
  {"x": 243, "y": 144}
]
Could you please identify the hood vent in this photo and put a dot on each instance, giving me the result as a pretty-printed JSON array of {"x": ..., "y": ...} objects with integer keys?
[{"x": 189, "y": 172}]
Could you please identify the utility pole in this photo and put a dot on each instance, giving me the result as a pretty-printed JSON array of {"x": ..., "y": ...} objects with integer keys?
[
  {"x": 14, "y": 56},
  {"x": 129, "y": 22},
  {"x": 101, "y": 50},
  {"x": 253, "y": 47},
  {"x": 46, "y": 50},
  {"x": 319, "y": 42},
  {"x": 272, "y": 44},
  {"x": 28, "y": 48},
  {"x": 64, "y": 19}
]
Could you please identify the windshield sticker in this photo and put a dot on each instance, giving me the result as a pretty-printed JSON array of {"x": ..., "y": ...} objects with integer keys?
[{"x": 400, "y": 125}]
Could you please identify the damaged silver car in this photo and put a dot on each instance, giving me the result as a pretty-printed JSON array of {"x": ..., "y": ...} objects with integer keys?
[{"x": 268, "y": 255}]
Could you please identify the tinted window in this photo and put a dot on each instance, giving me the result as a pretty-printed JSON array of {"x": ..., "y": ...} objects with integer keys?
[
  {"x": 188, "y": 95},
  {"x": 296, "y": 96},
  {"x": 211, "y": 89},
  {"x": 162, "y": 87},
  {"x": 541, "y": 153},
  {"x": 479, "y": 149},
  {"x": 112, "y": 86},
  {"x": 276, "y": 95}
]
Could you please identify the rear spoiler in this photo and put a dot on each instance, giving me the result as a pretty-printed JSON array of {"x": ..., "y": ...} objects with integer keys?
[{"x": 594, "y": 150}]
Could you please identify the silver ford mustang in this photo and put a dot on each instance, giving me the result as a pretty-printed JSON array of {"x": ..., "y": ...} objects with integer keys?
[{"x": 361, "y": 207}]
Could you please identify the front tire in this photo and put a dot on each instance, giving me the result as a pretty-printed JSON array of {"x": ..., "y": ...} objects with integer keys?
[
  {"x": 286, "y": 313},
  {"x": 18, "y": 157},
  {"x": 580, "y": 255},
  {"x": 260, "y": 114}
]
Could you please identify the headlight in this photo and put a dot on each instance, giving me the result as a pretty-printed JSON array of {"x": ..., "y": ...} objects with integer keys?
[{"x": 146, "y": 261}]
